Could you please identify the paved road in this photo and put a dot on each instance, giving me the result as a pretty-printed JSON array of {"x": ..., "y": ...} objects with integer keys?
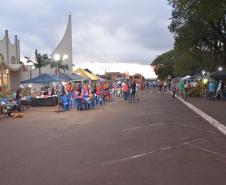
[
  {"x": 157, "y": 141},
  {"x": 216, "y": 109}
]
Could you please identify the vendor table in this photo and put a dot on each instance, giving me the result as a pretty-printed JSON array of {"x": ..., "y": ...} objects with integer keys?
[{"x": 48, "y": 101}]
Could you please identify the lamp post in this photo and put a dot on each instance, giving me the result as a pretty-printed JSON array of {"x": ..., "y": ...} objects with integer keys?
[
  {"x": 203, "y": 73},
  {"x": 57, "y": 58},
  {"x": 220, "y": 68}
]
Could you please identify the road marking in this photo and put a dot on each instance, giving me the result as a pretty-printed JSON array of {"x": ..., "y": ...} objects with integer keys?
[
  {"x": 187, "y": 143},
  {"x": 150, "y": 125},
  {"x": 195, "y": 128},
  {"x": 133, "y": 128},
  {"x": 166, "y": 148},
  {"x": 148, "y": 113},
  {"x": 205, "y": 116},
  {"x": 156, "y": 124},
  {"x": 192, "y": 141},
  {"x": 128, "y": 158},
  {"x": 205, "y": 150},
  {"x": 182, "y": 138},
  {"x": 135, "y": 156}
]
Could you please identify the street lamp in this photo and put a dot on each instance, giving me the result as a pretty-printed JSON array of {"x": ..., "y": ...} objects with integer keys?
[
  {"x": 57, "y": 58},
  {"x": 220, "y": 68},
  {"x": 203, "y": 72}
]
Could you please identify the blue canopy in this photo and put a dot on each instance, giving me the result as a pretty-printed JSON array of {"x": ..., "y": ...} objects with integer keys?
[
  {"x": 64, "y": 77},
  {"x": 76, "y": 77},
  {"x": 43, "y": 78},
  {"x": 70, "y": 77}
]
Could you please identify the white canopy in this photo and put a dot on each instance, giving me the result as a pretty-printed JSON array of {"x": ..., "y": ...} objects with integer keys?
[{"x": 186, "y": 77}]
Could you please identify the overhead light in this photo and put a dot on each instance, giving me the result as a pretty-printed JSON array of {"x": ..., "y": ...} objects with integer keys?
[
  {"x": 57, "y": 57},
  {"x": 65, "y": 57}
]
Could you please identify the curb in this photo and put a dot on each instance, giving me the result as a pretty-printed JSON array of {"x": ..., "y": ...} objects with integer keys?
[{"x": 205, "y": 116}]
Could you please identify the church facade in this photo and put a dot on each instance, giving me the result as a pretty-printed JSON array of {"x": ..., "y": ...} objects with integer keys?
[
  {"x": 63, "y": 50},
  {"x": 10, "y": 67}
]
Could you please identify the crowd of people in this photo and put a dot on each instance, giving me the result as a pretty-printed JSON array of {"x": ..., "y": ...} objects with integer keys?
[
  {"x": 91, "y": 95},
  {"x": 212, "y": 89}
]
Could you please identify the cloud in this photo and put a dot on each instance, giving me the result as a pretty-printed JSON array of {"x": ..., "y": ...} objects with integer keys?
[{"x": 103, "y": 31}]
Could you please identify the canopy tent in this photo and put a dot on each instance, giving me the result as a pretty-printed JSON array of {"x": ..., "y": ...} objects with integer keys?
[
  {"x": 197, "y": 77},
  {"x": 64, "y": 77},
  {"x": 120, "y": 79},
  {"x": 43, "y": 78},
  {"x": 75, "y": 77},
  {"x": 186, "y": 77},
  {"x": 103, "y": 80},
  {"x": 218, "y": 75},
  {"x": 86, "y": 74},
  {"x": 72, "y": 77}
]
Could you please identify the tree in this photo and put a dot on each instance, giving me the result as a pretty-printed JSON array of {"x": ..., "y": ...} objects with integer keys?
[
  {"x": 41, "y": 60},
  {"x": 163, "y": 64},
  {"x": 199, "y": 27},
  {"x": 184, "y": 64},
  {"x": 59, "y": 65}
]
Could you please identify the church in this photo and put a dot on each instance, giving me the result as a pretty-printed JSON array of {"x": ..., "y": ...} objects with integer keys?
[
  {"x": 12, "y": 71},
  {"x": 10, "y": 67}
]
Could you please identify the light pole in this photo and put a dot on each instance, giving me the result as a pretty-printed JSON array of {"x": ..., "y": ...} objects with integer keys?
[
  {"x": 220, "y": 68},
  {"x": 57, "y": 58}
]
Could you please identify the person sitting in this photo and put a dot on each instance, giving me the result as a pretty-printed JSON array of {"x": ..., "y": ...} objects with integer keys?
[
  {"x": 53, "y": 92},
  {"x": 64, "y": 102},
  {"x": 92, "y": 100},
  {"x": 78, "y": 97},
  {"x": 85, "y": 92}
]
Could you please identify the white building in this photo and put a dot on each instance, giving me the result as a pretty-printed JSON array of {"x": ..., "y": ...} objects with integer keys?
[
  {"x": 10, "y": 67},
  {"x": 63, "y": 50}
]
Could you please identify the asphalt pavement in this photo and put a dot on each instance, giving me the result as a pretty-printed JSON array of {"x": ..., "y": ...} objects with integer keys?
[{"x": 156, "y": 141}]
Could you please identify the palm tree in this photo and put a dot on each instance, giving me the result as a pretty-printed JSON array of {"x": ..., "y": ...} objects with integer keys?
[
  {"x": 41, "y": 60},
  {"x": 59, "y": 65}
]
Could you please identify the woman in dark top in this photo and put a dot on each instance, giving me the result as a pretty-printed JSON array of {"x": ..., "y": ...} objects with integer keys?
[
  {"x": 133, "y": 89},
  {"x": 18, "y": 99}
]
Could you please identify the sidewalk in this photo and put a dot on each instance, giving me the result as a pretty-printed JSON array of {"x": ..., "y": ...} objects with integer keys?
[
  {"x": 215, "y": 109},
  {"x": 212, "y": 111}
]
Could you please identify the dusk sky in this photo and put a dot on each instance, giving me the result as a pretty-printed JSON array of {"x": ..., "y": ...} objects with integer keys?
[{"x": 104, "y": 31}]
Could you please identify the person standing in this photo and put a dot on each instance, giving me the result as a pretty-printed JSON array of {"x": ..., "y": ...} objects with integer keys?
[
  {"x": 211, "y": 90},
  {"x": 133, "y": 91},
  {"x": 137, "y": 91},
  {"x": 174, "y": 91},
  {"x": 181, "y": 88},
  {"x": 19, "y": 96},
  {"x": 220, "y": 90},
  {"x": 125, "y": 89}
]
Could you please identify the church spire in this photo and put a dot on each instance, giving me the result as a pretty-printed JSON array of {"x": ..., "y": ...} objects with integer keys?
[{"x": 64, "y": 48}]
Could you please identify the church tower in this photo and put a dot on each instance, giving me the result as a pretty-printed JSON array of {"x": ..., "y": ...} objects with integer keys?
[{"x": 64, "y": 48}]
